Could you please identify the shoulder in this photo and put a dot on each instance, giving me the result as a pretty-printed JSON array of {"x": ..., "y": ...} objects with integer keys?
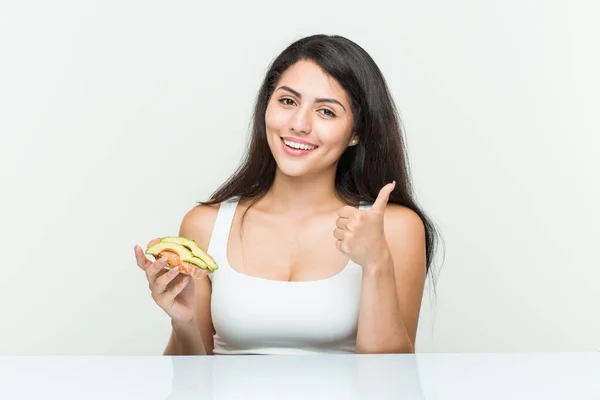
[
  {"x": 198, "y": 223},
  {"x": 400, "y": 220},
  {"x": 405, "y": 233}
]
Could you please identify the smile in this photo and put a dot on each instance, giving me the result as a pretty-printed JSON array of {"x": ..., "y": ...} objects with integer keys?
[
  {"x": 299, "y": 146},
  {"x": 296, "y": 149}
]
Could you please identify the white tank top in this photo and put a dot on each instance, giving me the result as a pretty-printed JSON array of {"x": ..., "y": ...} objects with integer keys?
[{"x": 253, "y": 315}]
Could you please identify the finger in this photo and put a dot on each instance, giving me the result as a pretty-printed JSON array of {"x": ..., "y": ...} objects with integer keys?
[
  {"x": 383, "y": 197},
  {"x": 173, "y": 292},
  {"x": 142, "y": 261},
  {"x": 160, "y": 273},
  {"x": 154, "y": 268},
  {"x": 161, "y": 282},
  {"x": 338, "y": 233},
  {"x": 347, "y": 212},
  {"x": 342, "y": 223}
]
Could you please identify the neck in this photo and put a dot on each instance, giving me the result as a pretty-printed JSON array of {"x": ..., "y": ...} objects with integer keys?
[{"x": 299, "y": 195}]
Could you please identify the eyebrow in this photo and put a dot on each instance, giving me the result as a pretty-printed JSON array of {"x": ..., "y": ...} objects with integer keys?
[{"x": 320, "y": 100}]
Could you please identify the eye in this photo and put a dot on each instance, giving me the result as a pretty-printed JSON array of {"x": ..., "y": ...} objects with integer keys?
[
  {"x": 327, "y": 112},
  {"x": 286, "y": 101}
]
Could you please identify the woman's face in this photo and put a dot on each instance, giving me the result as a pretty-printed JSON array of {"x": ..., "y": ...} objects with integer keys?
[{"x": 308, "y": 121}]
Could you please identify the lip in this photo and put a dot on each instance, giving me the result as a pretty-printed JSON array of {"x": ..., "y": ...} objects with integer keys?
[
  {"x": 294, "y": 152},
  {"x": 297, "y": 140}
]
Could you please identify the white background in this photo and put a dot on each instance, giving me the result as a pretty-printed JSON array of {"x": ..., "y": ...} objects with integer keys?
[{"x": 116, "y": 116}]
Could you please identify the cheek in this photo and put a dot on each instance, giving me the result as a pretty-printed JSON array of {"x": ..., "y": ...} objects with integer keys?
[
  {"x": 273, "y": 126},
  {"x": 274, "y": 119},
  {"x": 334, "y": 136}
]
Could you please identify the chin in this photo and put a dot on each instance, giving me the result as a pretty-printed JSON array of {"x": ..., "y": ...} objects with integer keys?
[
  {"x": 303, "y": 169},
  {"x": 293, "y": 169}
]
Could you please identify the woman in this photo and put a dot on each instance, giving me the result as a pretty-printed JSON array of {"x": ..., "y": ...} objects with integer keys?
[{"x": 320, "y": 244}]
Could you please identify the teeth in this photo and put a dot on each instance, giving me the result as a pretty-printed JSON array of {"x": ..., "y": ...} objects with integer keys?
[{"x": 299, "y": 145}]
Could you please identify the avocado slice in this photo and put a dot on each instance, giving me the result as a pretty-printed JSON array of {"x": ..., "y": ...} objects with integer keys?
[
  {"x": 183, "y": 253},
  {"x": 194, "y": 248}
]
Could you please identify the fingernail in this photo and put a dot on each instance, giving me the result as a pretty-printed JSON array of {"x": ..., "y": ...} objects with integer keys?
[
  {"x": 175, "y": 270},
  {"x": 163, "y": 260}
]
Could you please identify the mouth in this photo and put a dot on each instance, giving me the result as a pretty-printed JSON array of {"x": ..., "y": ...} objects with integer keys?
[
  {"x": 297, "y": 145},
  {"x": 297, "y": 149}
]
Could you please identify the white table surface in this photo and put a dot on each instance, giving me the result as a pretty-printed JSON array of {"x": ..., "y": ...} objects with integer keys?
[{"x": 572, "y": 376}]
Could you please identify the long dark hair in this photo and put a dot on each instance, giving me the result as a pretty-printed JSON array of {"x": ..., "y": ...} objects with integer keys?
[{"x": 378, "y": 158}]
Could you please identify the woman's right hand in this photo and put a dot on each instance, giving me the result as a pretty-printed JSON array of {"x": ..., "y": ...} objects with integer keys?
[{"x": 173, "y": 292}]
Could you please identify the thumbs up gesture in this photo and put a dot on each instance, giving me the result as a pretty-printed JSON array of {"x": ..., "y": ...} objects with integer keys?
[{"x": 359, "y": 233}]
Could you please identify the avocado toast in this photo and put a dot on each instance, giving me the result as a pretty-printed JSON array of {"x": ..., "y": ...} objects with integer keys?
[{"x": 183, "y": 253}]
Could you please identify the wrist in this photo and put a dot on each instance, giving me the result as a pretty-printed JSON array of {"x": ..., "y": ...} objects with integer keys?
[
  {"x": 185, "y": 327},
  {"x": 381, "y": 264}
]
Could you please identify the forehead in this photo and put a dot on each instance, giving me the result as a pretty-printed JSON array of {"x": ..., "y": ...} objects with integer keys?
[{"x": 311, "y": 81}]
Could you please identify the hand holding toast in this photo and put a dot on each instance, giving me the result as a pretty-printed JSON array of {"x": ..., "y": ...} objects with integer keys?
[
  {"x": 172, "y": 291},
  {"x": 178, "y": 262}
]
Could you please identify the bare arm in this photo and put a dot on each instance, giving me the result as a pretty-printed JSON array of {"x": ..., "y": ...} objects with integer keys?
[
  {"x": 196, "y": 337},
  {"x": 392, "y": 290},
  {"x": 185, "y": 340}
]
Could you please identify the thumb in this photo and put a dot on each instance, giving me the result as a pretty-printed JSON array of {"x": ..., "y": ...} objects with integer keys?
[{"x": 383, "y": 197}]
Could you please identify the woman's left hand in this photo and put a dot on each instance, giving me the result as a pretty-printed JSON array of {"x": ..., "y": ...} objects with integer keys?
[{"x": 359, "y": 233}]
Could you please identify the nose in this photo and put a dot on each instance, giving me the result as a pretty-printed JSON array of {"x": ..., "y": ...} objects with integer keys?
[{"x": 300, "y": 121}]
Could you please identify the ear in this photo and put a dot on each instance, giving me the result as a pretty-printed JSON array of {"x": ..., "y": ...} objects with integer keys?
[{"x": 354, "y": 140}]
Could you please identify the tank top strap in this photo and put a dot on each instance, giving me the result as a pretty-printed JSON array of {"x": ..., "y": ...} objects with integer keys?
[
  {"x": 364, "y": 205},
  {"x": 217, "y": 246}
]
